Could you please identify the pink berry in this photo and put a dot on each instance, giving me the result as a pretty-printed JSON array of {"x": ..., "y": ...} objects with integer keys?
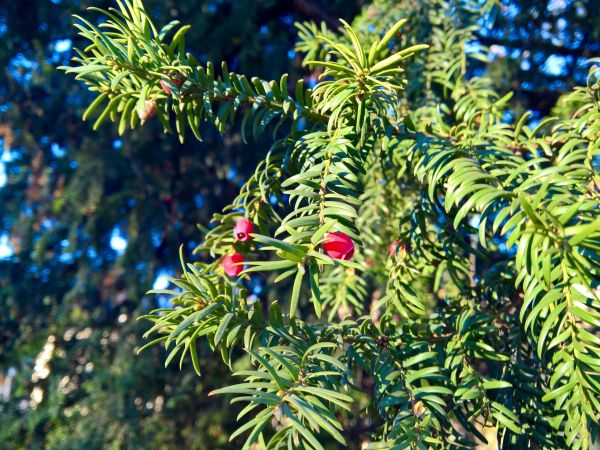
[
  {"x": 148, "y": 111},
  {"x": 230, "y": 262},
  {"x": 242, "y": 230}
]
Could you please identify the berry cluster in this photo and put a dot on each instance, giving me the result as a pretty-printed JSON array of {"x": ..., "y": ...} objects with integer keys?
[{"x": 337, "y": 245}]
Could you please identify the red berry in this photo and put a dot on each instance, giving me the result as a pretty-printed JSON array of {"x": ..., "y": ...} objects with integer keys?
[
  {"x": 338, "y": 245},
  {"x": 230, "y": 264},
  {"x": 242, "y": 230},
  {"x": 396, "y": 247},
  {"x": 167, "y": 88}
]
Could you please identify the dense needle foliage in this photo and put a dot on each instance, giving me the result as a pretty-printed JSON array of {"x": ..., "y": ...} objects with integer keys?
[{"x": 472, "y": 295}]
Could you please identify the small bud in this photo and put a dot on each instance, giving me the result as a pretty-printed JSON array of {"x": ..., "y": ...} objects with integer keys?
[
  {"x": 418, "y": 409},
  {"x": 338, "y": 245},
  {"x": 344, "y": 311},
  {"x": 242, "y": 230},
  {"x": 230, "y": 262},
  {"x": 200, "y": 304},
  {"x": 148, "y": 111}
]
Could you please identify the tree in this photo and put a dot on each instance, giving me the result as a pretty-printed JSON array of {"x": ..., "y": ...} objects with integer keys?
[
  {"x": 71, "y": 198},
  {"x": 459, "y": 252}
]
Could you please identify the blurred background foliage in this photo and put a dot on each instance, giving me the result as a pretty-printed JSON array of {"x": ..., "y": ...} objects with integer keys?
[{"x": 90, "y": 221}]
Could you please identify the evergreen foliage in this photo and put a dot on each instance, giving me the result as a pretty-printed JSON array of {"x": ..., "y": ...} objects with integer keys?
[{"x": 485, "y": 310}]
